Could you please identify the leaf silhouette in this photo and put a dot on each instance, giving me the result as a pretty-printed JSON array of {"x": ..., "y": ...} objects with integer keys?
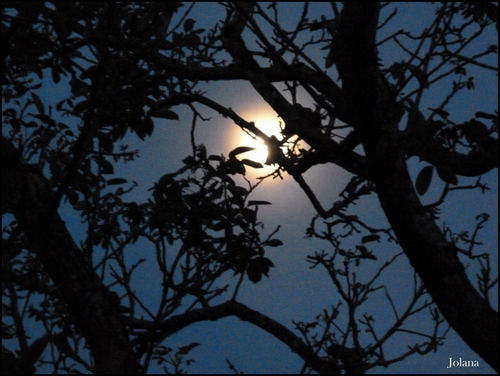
[
  {"x": 188, "y": 25},
  {"x": 116, "y": 181},
  {"x": 183, "y": 350},
  {"x": 447, "y": 175},
  {"x": 258, "y": 202},
  {"x": 164, "y": 113},
  {"x": 424, "y": 180},
  {"x": 370, "y": 238},
  {"x": 240, "y": 150},
  {"x": 274, "y": 243},
  {"x": 253, "y": 164}
]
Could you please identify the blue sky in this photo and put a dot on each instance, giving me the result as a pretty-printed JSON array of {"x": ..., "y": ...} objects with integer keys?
[{"x": 293, "y": 292}]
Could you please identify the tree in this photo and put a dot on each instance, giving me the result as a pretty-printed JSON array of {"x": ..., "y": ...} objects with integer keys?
[{"x": 119, "y": 65}]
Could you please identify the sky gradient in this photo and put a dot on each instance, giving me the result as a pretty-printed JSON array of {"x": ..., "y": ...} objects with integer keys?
[{"x": 294, "y": 292}]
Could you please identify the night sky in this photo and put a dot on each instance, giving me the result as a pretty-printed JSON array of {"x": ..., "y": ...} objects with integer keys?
[{"x": 293, "y": 291}]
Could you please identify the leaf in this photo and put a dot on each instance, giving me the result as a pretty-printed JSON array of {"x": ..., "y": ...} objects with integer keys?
[
  {"x": 31, "y": 124},
  {"x": 397, "y": 71},
  {"x": 234, "y": 166},
  {"x": 424, "y": 180},
  {"x": 148, "y": 126},
  {"x": 447, "y": 175},
  {"x": 72, "y": 196},
  {"x": 254, "y": 274},
  {"x": 365, "y": 253},
  {"x": 485, "y": 115},
  {"x": 188, "y": 25},
  {"x": 416, "y": 120},
  {"x": 470, "y": 83},
  {"x": 266, "y": 265},
  {"x": 370, "y": 238},
  {"x": 183, "y": 350},
  {"x": 419, "y": 74},
  {"x": 80, "y": 205},
  {"x": 249, "y": 215},
  {"x": 329, "y": 60},
  {"x": 162, "y": 350},
  {"x": 116, "y": 181},
  {"x": 274, "y": 243},
  {"x": 80, "y": 107},
  {"x": 106, "y": 167},
  {"x": 258, "y": 267},
  {"x": 258, "y": 202},
  {"x": 474, "y": 130},
  {"x": 56, "y": 76},
  {"x": 38, "y": 103},
  {"x": 164, "y": 113},
  {"x": 253, "y": 164},
  {"x": 35, "y": 350},
  {"x": 440, "y": 112},
  {"x": 78, "y": 87},
  {"x": 214, "y": 157},
  {"x": 46, "y": 119},
  {"x": 240, "y": 150},
  {"x": 254, "y": 271},
  {"x": 238, "y": 191}
]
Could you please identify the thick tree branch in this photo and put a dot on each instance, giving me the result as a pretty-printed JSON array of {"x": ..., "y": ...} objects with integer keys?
[
  {"x": 233, "y": 308},
  {"x": 476, "y": 163},
  {"x": 325, "y": 150},
  {"x": 433, "y": 257},
  {"x": 275, "y": 73}
]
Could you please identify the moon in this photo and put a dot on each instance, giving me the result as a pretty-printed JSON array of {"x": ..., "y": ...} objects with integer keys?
[{"x": 269, "y": 123}]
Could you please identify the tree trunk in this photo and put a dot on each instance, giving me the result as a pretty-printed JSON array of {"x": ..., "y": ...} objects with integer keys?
[
  {"x": 27, "y": 195},
  {"x": 376, "y": 117}
]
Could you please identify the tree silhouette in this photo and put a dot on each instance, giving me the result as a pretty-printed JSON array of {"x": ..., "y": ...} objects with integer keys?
[{"x": 117, "y": 66}]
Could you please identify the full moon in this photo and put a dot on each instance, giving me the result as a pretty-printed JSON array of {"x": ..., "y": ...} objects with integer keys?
[{"x": 269, "y": 123}]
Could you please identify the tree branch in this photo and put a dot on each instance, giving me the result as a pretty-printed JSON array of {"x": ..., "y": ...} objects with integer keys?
[
  {"x": 433, "y": 257},
  {"x": 232, "y": 308},
  {"x": 27, "y": 195},
  {"x": 476, "y": 163}
]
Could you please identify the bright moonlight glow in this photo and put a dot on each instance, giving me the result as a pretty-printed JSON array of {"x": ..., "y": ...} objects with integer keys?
[{"x": 269, "y": 123}]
